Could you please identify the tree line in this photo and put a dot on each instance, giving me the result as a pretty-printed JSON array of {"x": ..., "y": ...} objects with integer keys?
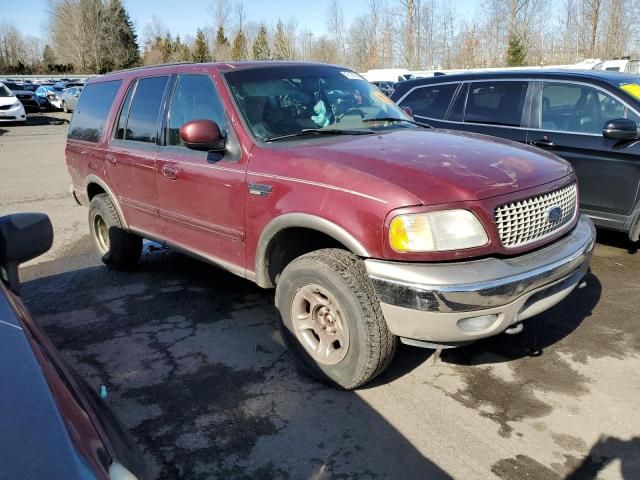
[{"x": 96, "y": 36}]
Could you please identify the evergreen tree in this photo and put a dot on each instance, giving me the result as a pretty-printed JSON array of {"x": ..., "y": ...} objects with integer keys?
[
  {"x": 125, "y": 52},
  {"x": 239, "y": 49},
  {"x": 221, "y": 39},
  {"x": 261, "y": 45},
  {"x": 282, "y": 46},
  {"x": 48, "y": 57},
  {"x": 515, "y": 52},
  {"x": 200, "y": 52},
  {"x": 166, "y": 48}
]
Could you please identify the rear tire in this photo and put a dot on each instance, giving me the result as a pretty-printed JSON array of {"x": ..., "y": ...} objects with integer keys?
[
  {"x": 331, "y": 318},
  {"x": 119, "y": 248}
]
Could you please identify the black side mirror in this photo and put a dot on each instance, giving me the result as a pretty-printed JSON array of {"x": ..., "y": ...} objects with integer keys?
[
  {"x": 203, "y": 135},
  {"x": 23, "y": 236},
  {"x": 620, "y": 129}
]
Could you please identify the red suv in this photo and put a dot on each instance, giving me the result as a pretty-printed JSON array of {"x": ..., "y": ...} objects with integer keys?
[{"x": 306, "y": 178}]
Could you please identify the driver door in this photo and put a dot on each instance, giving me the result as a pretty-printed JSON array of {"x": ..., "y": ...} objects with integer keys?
[{"x": 201, "y": 195}]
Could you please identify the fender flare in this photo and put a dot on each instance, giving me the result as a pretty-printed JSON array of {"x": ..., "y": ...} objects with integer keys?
[
  {"x": 300, "y": 220},
  {"x": 99, "y": 181}
]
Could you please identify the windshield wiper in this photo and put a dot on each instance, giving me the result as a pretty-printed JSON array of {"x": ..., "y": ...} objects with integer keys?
[
  {"x": 394, "y": 119},
  {"x": 318, "y": 131}
]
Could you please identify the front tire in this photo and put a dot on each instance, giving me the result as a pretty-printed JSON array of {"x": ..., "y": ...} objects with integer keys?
[
  {"x": 64, "y": 107},
  {"x": 331, "y": 318},
  {"x": 118, "y": 247}
]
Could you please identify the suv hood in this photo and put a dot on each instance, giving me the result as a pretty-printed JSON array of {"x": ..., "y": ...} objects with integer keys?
[
  {"x": 8, "y": 100},
  {"x": 441, "y": 166}
]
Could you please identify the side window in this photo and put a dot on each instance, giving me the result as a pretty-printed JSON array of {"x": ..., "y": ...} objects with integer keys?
[
  {"x": 145, "y": 107},
  {"x": 633, "y": 66},
  {"x": 579, "y": 108},
  {"x": 124, "y": 112},
  {"x": 431, "y": 101},
  {"x": 496, "y": 103},
  {"x": 91, "y": 112},
  {"x": 195, "y": 98}
]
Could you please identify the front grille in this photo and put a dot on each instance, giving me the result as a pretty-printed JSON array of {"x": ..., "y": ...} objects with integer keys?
[
  {"x": 5, "y": 107},
  {"x": 530, "y": 220}
]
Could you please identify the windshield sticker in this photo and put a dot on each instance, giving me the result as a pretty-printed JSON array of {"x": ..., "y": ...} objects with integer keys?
[
  {"x": 352, "y": 75},
  {"x": 632, "y": 89}
]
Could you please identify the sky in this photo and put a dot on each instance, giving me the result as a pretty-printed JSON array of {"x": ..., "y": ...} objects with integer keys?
[{"x": 185, "y": 16}]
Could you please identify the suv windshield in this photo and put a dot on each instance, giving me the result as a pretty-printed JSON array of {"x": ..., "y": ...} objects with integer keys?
[
  {"x": 5, "y": 92},
  {"x": 279, "y": 101}
]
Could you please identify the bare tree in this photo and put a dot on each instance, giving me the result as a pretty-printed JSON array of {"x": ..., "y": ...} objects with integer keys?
[{"x": 591, "y": 10}]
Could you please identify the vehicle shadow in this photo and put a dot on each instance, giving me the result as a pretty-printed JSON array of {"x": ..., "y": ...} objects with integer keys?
[
  {"x": 540, "y": 332},
  {"x": 605, "y": 451},
  {"x": 3, "y": 131},
  {"x": 37, "y": 119},
  {"x": 612, "y": 238},
  {"x": 196, "y": 369}
]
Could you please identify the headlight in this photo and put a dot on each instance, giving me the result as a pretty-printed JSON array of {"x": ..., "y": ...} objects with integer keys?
[
  {"x": 436, "y": 231},
  {"x": 17, "y": 104}
]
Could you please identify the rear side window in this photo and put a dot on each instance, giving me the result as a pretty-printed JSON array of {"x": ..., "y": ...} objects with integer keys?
[
  {"x": 496, "y": 103},
  {"x": 431, "y": 101},
  {"x": 143, "y": 114},
  {"x": 124, "y": 112},
  {"x": 195, "y": 98},
  {"x": 92, "y": 110}
]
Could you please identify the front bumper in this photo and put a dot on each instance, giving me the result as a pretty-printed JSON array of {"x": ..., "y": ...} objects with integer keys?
[
  {"x": 15, "y": 114},
  {"x": 433, "y": 302}
]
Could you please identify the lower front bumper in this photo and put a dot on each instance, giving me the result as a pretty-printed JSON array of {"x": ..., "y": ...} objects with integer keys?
[{"x": 461, "y": 302}]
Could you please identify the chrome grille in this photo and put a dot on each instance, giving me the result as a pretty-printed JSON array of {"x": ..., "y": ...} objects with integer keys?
[{"x": 528, "y": 220}]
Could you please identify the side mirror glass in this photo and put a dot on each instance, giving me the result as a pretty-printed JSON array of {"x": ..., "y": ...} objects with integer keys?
[
  {"x": 408, "y": 111},
  {"x": 202, "y": 135},
  {"x": 620, "y": 129},
  {"x": 23, "y": 236}
]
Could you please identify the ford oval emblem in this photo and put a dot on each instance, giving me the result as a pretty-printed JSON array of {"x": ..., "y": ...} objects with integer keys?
[{"x": 554, "y": 214}]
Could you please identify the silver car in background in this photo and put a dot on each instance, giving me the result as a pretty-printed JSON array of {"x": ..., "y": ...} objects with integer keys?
[{"x": 70, "y": 98}]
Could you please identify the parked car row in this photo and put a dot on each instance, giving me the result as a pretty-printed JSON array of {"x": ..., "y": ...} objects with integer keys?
[
  {"x": 588, "y": 117},
  {"x": 46, "y": 96}
]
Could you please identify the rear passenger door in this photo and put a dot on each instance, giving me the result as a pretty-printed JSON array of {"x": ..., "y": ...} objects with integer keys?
[
  {"x": 201, "y": 194},
  {"x": 495, "y": 107},
  {"x": 131, "y": 159}
]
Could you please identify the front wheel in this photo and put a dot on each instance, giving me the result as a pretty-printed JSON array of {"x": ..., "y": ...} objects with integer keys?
[
  {"x": 331, "y": 318},
  {"x": 118, "y": 247},
  {"x": 64, "y": 107}
]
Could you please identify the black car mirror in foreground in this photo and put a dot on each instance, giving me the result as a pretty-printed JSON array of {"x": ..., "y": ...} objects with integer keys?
[
  {"x": 23, "y": 236},
  {"x": 620, "y": 129}
]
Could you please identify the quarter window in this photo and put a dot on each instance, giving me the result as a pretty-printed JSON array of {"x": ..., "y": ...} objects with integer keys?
[
  {"x": 195, "y": 98},
  {"x": 579, "y": 108},
  {"x": 92, "y": 109},
  {"x": 124, "y": 112},
  {"x": 496, "y": 103},
  {"x": 145, "y": 107},
  {"x": 431, "y": 101}
]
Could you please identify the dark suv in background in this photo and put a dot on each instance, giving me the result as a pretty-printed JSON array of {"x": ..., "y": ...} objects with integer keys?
[{"x": 589, "y": 118}]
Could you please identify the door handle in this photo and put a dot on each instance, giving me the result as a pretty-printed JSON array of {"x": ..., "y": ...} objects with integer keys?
[
  {"x": 543, "y": 142},
  {"x": 110, "y": 158},
  {"x": 170, "y": 172}
]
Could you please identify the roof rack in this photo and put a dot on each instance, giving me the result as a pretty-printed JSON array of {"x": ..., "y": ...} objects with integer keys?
[{"x": 144, "y": 67}]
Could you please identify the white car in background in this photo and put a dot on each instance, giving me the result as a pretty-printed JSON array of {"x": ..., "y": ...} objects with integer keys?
[
  {"x": 11, "y": 110},
  {"x": 619, "y": 65}
]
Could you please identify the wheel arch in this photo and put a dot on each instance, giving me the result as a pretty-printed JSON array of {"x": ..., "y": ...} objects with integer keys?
[
  {"x": 90, "y": 184},
  {"x": 282, "y": 229}
]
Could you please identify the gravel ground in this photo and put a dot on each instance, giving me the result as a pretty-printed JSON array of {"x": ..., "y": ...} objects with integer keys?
[{"x": 196, "y": 369}]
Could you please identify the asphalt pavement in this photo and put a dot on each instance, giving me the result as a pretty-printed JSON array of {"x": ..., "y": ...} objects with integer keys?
[{"x": 195, "y": 368}]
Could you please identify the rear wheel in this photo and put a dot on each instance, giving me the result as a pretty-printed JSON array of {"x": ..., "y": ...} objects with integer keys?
[
  {"x": 118, "y": 247},
  {"x": 331, "y": 318}
]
